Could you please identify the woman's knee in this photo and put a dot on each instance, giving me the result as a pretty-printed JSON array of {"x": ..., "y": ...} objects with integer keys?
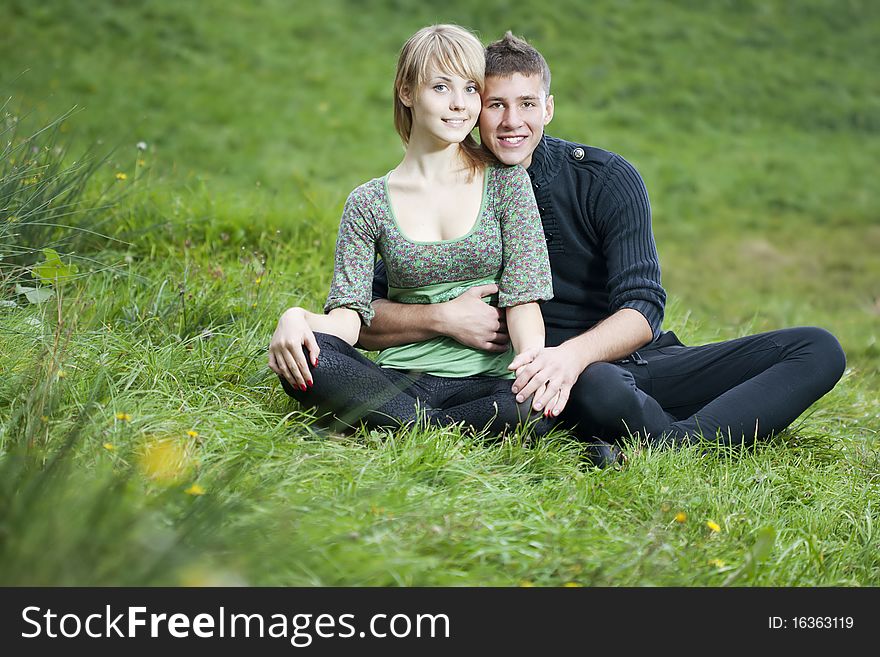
[
  {"x": 536, "y": 422},
  {"x": 331, "y": 342}
]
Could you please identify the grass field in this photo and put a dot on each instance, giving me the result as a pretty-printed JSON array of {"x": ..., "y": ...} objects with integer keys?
[{"x": 143, "y": 441}]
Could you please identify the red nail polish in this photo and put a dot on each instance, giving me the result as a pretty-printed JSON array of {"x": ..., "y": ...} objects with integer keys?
[
  {"x": 302, "y": 386},
  {"x": 311, "y": 383}
]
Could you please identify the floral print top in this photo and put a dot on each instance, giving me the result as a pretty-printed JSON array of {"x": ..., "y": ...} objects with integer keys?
[{"x": 506, "y": 244}]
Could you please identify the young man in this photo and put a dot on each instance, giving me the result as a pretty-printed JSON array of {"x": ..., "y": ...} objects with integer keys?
[{"x": 608, "y": 370}]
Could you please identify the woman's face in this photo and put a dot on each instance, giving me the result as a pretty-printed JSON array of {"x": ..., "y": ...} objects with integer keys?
[{"x": 446, "y": 107}]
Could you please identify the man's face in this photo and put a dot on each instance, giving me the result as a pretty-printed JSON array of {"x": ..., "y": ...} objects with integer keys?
[{"x": 515, "y": 111}]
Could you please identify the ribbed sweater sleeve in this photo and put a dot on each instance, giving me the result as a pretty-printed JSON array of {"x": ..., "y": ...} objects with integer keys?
[{"x": 623, "y": 216}]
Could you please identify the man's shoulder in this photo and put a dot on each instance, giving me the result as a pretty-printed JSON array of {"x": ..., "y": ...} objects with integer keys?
[
  {"x": 578, "y": 154},
  {"x": 604, "y": 167}
]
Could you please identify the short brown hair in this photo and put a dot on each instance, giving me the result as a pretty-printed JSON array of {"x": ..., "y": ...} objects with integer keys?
[{"x": 511, "y": 54}]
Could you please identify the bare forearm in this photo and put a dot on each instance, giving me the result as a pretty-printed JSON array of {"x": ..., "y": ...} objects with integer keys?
[
  {"x": 526, "y": 327},
  {"x": 345, "y": 324},
  {"x": 611, "y": 339},
  {"x": 399, "y": 323}
]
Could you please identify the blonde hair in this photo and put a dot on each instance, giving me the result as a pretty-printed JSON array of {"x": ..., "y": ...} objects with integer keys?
[{"x": 452, "y": 49}]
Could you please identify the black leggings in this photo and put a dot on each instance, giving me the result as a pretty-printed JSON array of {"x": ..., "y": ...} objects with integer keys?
[
  {"x": 734, "y": 392},
  {"x": 356, "y": 390}
]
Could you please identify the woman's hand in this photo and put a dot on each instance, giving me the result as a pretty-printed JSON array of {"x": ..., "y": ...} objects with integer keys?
[{"x": 286, "y": 355}]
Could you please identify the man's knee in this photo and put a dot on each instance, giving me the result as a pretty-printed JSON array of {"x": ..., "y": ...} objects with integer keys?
[
  {"x": 604, "y": 393},
  {"x": 828, "y": 355}
]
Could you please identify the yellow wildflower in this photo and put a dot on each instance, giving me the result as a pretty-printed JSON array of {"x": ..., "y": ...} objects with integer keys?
[
  {"x": 714, "y": 526},
  {"x": 165, "y": 461},
  {"x": 195, "y": 489},
  {"x": 718, "y": 563},
  {"x": 110, "y": 447},
  {"x": 121, "y": 176},
  {"x": 12, "y": 220},
  {"x": 61, "y": 374},
  {"x": 192, "y": 434},
  {"x": 571, "y": 585},
  {"x": 526, "y": 584},
  {"x": 258, "y": 280},
  {"x": 681, "y": 517},
  {"x": 124, "y": 417}
]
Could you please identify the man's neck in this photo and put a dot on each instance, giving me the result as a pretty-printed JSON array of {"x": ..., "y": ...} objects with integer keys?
[{"x": 527, "y": 163}]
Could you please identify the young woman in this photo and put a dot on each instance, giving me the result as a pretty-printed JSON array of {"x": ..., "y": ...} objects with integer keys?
[{"x": 446, "y": 219}]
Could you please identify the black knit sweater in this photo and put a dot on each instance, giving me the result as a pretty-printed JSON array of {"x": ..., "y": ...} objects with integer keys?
[{"x": 597, "y": 221}]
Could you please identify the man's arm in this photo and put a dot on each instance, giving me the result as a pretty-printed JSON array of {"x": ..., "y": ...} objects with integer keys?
[
  {"x": 621, "y": 214},
  {"x": 467, "y": 319},
  {"x": 559, "y": 367}
]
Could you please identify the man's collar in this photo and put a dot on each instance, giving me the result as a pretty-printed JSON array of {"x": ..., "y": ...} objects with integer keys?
[{"x": 545, "y": 162}]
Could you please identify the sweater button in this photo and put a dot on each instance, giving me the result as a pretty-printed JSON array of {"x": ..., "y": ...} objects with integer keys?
[
  {"x": 549, "y": 236},
  {"x": 578, "y": 153}
]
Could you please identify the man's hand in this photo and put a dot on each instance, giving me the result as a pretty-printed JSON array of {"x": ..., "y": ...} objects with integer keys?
[
  {"x": 549, "y": 374},
  {"x": 473, "y": 322}
]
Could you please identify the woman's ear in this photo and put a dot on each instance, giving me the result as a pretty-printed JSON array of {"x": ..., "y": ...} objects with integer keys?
[{"x": 405, "y": 96}]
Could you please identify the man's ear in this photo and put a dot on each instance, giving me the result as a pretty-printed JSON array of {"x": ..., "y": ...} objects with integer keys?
[
  {"x": 548, "y": 110},
  {"x": 405, "y": 96}
]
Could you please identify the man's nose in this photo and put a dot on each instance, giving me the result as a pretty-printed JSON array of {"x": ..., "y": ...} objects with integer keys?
[{"x": 511, "y": 118}]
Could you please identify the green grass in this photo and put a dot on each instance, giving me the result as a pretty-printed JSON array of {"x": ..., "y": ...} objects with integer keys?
[{"x": 754, "y": 125}]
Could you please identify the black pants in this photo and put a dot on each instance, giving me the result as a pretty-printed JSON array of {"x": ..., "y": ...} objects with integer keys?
[
  {"x": 356, "y": 390},
  {"x": 735, "y": 392}
]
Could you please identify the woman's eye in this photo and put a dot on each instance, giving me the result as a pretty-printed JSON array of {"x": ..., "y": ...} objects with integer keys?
[
  {"x": 439, "y": 87},
  {"x": 472, "y": 89}
]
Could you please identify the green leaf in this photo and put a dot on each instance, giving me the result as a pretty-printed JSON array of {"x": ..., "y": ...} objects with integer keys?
[
  {"x": 35, "y": 294},
  {"x": 53, "y": 271}
]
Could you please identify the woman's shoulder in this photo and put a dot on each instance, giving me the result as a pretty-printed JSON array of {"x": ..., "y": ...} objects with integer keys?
[
  {"x": 369, "y": 188},
  {"x": 368, "y": 194},
  {"x": 503, "y": 176}
]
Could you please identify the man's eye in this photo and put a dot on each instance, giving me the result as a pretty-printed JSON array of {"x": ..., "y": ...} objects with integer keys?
[{"x": 529, "y": 104}]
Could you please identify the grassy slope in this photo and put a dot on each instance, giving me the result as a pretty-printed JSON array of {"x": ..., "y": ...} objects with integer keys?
[{"x": 756, "y": 129}]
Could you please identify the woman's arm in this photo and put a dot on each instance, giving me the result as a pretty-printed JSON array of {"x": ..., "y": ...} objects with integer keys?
[
  {"x": 295, "y": 331},
  {"x": 526, "y": 327},
  {"x": 347, "y": 305}
]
